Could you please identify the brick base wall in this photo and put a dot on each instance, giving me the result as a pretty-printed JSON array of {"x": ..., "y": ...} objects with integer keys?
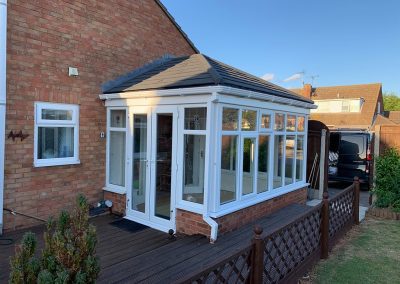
[
  {"x": 118, "y": 200},
  {"x": 192, "y": 223}
]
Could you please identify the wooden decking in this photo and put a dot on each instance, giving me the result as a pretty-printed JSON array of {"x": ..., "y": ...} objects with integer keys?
[{"x": 149, "y": 256}]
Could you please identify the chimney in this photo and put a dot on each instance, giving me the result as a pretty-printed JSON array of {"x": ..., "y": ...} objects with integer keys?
[{"x": 307, "y": 90}]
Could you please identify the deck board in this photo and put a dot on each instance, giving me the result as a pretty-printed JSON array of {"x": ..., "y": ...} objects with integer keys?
[{"x": 149, "y": 256}]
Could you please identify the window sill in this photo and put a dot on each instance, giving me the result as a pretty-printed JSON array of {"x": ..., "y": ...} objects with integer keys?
[
  {"x": 238, "y": 205},
  {"x": 53, "y": 163},
  {"x": 114, "y": 190}
]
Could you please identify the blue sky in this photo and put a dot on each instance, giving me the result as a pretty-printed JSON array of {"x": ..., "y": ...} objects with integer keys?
[{"x": 341, "y": 42}]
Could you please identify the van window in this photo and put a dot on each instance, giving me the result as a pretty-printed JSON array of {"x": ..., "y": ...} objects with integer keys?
[{"x": 352, "y": 144}]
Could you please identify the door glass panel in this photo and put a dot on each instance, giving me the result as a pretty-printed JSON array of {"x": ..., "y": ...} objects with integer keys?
[
  {"x": 289, "y": 163},
  {"x": 139, "y": 162},
  {"x": 248, "y": 165},
  {"x": 278, "y": 161},
  {"x": 194, "y": 151},
  {"x": 228, "y": 168},
  {"x": 263, "y": 163},
  {"x": 163, "y": 165}
]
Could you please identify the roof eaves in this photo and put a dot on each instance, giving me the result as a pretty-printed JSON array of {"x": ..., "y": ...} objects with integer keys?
[
  {"x": 168, "y": 14},
  {"x": 109, "y": 85}
]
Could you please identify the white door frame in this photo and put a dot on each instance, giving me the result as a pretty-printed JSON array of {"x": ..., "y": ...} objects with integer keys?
[{"x": 148, "y": 218}]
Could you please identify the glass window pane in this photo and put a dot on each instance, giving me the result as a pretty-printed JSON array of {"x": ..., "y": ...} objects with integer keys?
[
  {"x": 300, "y": 158},
  {"x": 265, "y": 121},
  {"x": 196, "y": 118},
  {"x": 118, "y": 118},
  {"x": 300, "y": 123},
  {"x": 289, "y": 162},
  {"x": 139, "y": 162},
  {"x": 228, "y": 168},
  {"x": 248, "y": 171},
  {"x": 117, "y": 158},
  {"x": 279, "y": 121},
  {"x": 230, "y": 118},
  {"x": 263, "y": 163},
  {"x": 55, "y": 142},
  {"x": 194, "y": 157},
  {"x": 56, "y": 114},
  {"x": 291, "y": 123},
  {"x": 278, "y": 161},
  {"x": 249, "y": 120}
]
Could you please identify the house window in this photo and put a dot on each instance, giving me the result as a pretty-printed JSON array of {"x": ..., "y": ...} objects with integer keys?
[
  {"x": 230, "y": 119},
  {"x": 265, "y": 121},
  {"x": 116, "y": 151},
  {"x": 289, "y": 162},
  {"x": 56, "y": 134},
  {"x": 194, "y": 150},
  {"x": 249, "y": 120},
  {"x": 278, "y": 160},
  {"x": 248, "y": 165},
  {"x": 279, "y": 122}
]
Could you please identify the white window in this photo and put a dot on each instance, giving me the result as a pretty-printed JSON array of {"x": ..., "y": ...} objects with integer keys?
[
  {"x": 116, "y": 150},
  {"x": 56, "y": 134}
]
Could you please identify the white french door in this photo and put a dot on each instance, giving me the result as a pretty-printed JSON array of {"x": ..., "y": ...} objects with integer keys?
[{"x": 152, "y": 164}]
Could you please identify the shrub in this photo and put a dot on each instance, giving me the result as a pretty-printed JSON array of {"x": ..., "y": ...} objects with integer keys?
[
  {"x": 68, "y": 255},
  {"x": 387, "y": 180}
]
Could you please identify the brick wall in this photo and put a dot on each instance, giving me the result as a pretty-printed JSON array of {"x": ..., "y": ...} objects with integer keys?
[
  {"x": 103, "y": 39},
  {"x": 118, "y": 200},
  {"x": 191, "y": 223}
]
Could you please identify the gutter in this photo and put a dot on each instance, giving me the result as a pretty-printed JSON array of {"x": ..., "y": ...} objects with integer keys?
[{"x": 3, "y": 89}]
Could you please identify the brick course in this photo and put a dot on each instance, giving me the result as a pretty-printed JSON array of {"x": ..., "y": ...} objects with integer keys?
[
  {"x": 103, "y": 39},
  {"x": 191, "y": 223}
]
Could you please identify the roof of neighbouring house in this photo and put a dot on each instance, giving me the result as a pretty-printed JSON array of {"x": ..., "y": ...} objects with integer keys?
[
  {"x": 371, "y": 94},
  {"x": 194, "y": 71},
  {"x": 393, "y": 115}
]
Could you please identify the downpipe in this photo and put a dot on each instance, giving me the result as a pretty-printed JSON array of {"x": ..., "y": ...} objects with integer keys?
[{"x": 214, "y": 227}]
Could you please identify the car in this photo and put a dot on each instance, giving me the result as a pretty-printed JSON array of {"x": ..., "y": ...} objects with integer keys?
[{"x": 350, "y": 156}]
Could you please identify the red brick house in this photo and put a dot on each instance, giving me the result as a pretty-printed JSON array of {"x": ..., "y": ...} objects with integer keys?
[
  {"x": 182, "y": 142},
  {"x": 347, "y": 107}
]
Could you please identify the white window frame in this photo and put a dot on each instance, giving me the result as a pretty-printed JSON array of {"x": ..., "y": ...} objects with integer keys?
[
  {"x": 40, "y": 122},
  {"x": 112, "y": 187},
  {"x": 243, "y": 201}
]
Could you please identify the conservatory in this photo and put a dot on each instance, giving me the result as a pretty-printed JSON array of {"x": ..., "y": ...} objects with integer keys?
[{"x": 191, "y": 140}]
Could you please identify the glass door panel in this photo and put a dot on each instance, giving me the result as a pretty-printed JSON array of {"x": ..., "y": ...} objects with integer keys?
[
  {"x": 139, "y": 160},
  {"x": 163, "y": 156},
  {"x": 248, "y": 171}
]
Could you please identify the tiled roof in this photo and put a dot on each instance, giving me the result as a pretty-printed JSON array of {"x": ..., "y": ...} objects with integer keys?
[
  {"x": 371, "y": 93},
  {"x": 195, "y": 71}
]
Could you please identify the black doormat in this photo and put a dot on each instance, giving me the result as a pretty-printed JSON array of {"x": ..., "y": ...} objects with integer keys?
[{"x": 128, "y": 225}]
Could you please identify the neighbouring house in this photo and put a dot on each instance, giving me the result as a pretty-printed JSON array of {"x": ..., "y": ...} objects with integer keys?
[
  {"x": 346, "y": 107},
  {"x": 182, "y": 142}
]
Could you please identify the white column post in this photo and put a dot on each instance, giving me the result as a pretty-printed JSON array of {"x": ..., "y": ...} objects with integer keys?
[{"x": 3, "y": 81}]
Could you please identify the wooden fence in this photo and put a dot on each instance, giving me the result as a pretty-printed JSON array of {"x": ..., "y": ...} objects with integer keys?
[{"x": 287, "y": 253}]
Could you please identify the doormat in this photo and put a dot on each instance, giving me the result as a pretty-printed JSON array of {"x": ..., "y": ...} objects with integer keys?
[{"x": 128, "y": 225}]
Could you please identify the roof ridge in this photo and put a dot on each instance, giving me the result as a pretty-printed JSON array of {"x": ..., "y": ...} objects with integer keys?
[
  {"x": 105, "y": 87},
  {"x": 352, "y": 85},
  {"x": 272, "y": 85},
  {"x": 210, "y": 69}
]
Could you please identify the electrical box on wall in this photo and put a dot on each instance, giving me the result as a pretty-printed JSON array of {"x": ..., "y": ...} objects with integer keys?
[{"x": 73, "y": 71}]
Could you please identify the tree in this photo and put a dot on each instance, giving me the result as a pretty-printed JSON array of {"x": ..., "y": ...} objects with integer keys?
[{"x": 391, "y": 101}]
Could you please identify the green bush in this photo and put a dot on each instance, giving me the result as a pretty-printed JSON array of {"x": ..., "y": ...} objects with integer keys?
[
  {"x": 68, "y": 255},
  {"x": 387, "y": 180}
]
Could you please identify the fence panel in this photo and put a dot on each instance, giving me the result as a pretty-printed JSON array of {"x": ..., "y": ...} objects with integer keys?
[
  {"x": 292, "y": 245},
  {"x": 341, "y": 210},
  {"x": 235, "y": 269}
]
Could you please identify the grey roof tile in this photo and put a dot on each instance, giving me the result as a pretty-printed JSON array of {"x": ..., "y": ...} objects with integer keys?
[{"x": 195, "y": 71}]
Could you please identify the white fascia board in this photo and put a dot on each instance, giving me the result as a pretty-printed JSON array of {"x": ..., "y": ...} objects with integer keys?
[{"x": 208, "y": 90}]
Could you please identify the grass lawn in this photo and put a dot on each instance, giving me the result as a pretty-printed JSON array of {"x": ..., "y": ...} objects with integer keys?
[{"x": 369, "y": 254}]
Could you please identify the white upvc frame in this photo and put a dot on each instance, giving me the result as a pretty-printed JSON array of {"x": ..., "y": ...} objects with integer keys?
[
  {"x": 180, "y": 202},
  {"x": 254, "y": 198},
  {"x": 108, "y": 186},
  {"x": 40, "y": 122}
]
